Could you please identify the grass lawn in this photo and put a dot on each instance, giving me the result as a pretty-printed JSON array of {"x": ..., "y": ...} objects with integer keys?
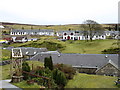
[
  {"x": 24, "y": 85},
  {"x": 5, "y": 54},
  {"x": 6, "y": 69},
  {"x": 91, "y": 81},
  {"x": 94, "y": 47}
]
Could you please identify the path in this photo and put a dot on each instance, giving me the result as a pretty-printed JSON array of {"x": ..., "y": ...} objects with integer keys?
[{"x": 8, "y": 86}]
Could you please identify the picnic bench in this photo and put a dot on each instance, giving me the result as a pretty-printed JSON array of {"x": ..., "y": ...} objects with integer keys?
[{"x": 118, "y": 81}]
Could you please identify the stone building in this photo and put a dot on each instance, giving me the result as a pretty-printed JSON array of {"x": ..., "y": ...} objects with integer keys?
[{"x": 101, "y": 64}]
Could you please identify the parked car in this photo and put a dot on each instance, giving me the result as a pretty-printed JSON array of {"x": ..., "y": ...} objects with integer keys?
[{"x": 4, "y": 41}]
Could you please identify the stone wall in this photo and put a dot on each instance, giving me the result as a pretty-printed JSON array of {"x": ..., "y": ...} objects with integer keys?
[{"x": 108, "y": 70}]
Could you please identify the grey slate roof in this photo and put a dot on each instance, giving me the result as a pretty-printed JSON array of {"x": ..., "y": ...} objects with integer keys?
[
  {"x": 113, "y": 32},
  {"x": 35, "y": 30},
  {"x": 77, "y": 32},
  {"x": 80, "y": 31},
  {"x": 89, "y": 60},
  {"x": 30, "y": 50},
  {"x": 44, "y": 54}
]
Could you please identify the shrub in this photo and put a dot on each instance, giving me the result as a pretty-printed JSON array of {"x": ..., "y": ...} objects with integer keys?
[
  {"x": 48, "y": 63},
  {"x": 51, "y": 46},
  {"x": 59, "y": 78},
  {"x": 67, "y": 69},
  {"x": 46, "y": 72},
  {"x": 25, "y": 67},
  {"x": 30, "y": 82},
  {"x": 111, "y": 51}
]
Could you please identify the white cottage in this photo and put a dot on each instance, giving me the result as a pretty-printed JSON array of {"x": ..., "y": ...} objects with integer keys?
[{"x": 78, "y": 35}]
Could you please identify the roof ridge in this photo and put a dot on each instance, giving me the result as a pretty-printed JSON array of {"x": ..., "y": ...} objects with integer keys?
[{"x": 111, "y": 62}]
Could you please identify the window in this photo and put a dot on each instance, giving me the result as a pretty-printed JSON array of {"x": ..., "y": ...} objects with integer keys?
[
  {"x": 27, "y": 52},
  {"x": 35, "y": 52},
  {"x": 71, "y": 33},
  {"x": 65, "y": 33},
  {"x": 71, "y": 37},
  {"x": 35, "y": 33}
]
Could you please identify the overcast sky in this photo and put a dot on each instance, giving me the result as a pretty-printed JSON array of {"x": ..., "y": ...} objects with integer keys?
[{"x": 58, "y": 11}]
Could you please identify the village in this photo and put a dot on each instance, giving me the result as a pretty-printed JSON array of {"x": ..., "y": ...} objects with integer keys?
[
  {"x": 59, "y": 44},
  {"x": 37, "y": 45},
  {"x": 23, "y": 35}
]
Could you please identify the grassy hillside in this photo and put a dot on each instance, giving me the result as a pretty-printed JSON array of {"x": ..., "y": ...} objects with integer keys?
[
  {"x": 70, "y": 46},
  {"x": 92, "y": 81},
  {"x": 54, "y": 27},
  {"x": 94, "y": 47},
  {"x": 83, "y": 47}
]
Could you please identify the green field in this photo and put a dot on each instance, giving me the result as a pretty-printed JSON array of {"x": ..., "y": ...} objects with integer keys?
[{"x": 92, "y": 81}]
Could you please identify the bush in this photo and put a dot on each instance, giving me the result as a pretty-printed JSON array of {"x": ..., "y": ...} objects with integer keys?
[
  {"x": 25, "y": 67},
  {"x": 48, "y": 63},
  {"x": 51, "y": 46},
  {"x": 67, "y": 69},
  {"x": 59, "y": 78},
  {"x": 111, "y": 51},
  {"x": 46, "y": 72}
]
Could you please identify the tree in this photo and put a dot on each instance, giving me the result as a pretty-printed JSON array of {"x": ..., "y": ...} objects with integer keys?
[
  {"x": 116, "y": 27},
  {"x": 48, "y": 63},
  {"x": 68, "y": 70},
  {"x": 59, "y": 78},
  {"x": 91, "y": 28},
  {"x": 31, "y": 27},
  {"x": 23, "y": 28},
  {"x": 25, "y": 67}
]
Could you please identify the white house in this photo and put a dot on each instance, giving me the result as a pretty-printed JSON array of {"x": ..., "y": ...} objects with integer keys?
[
  {"x": 78, "y": 35},
  {"x": 111, "y": 33},
  {"x": 19, "y": 39},
  {"x": 32, "y": 32}
]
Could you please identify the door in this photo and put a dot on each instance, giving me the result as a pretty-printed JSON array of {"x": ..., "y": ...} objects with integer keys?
[{"x": 68, "y": 37}]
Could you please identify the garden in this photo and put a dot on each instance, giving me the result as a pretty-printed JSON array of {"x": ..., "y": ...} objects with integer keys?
[{"x": 47, "y": 76}]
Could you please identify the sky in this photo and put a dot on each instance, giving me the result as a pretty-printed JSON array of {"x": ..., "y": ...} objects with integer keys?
[{"x": 58, "y": 12}]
